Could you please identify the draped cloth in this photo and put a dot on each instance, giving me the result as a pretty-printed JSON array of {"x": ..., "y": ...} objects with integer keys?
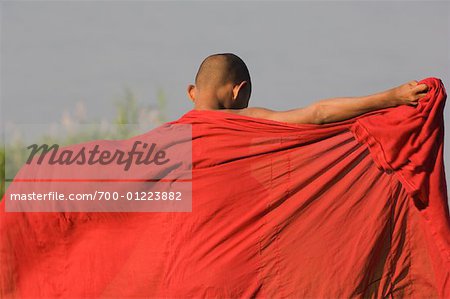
[{"x": 356, "y": 208}]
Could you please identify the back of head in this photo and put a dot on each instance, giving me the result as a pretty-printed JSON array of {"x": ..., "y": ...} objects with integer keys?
[{"x": 222, "y": 68}]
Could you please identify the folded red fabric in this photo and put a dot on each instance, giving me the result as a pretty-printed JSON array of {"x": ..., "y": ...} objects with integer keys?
[{"x": 356, "y": 208}]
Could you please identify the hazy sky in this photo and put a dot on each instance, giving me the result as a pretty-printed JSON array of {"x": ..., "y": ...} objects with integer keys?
[{"x": 55, "y": 53}]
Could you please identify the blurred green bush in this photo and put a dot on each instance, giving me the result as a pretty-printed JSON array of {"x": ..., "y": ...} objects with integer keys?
[{"x": 128, "y": 112}]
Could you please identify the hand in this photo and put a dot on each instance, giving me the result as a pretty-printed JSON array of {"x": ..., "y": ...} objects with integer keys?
[{"x": 409, "y": 93}]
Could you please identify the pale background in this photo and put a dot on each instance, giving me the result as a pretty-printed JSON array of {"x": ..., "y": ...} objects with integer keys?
[{"x": 57, "y": 53}]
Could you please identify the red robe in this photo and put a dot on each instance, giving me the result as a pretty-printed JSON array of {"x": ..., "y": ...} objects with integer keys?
[{"x": 356, "y": 208}]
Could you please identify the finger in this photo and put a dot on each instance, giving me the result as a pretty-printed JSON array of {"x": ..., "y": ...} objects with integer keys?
[
  {"x": 421, "y": 95},
  {"x": 413, "y": 82},
  {"x": 421, "y": 88}
]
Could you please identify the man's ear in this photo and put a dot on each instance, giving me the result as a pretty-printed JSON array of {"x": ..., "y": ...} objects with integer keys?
[
  {"x": 239, "y": 89},
  {"x": 191, "y": 92}
]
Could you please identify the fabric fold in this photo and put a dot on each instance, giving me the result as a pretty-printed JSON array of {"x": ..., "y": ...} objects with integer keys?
[{"x": 356, "y": 208}]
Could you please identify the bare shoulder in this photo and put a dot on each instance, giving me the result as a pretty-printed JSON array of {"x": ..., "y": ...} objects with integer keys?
[
  {"x": 307, "y": 115},
  {"x": 256, "y": 112}
]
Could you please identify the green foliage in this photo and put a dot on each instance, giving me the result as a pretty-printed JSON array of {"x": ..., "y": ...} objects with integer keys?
[
  {"x": 2, "y": 171},
  {"x": 161, "y": 98},
  {"x": 128, "y": 113}
]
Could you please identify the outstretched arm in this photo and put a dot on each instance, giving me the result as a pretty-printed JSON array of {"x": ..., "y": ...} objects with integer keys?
[{"x": 342, "y": 108}]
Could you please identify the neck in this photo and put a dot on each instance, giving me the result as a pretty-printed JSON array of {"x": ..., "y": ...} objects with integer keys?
[
  {"x": 208, "y": 103},
  {"x": 203, "y": 106}
]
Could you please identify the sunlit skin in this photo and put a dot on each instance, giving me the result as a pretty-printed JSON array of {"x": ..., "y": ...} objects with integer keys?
[{"x": 223, "y": 83}]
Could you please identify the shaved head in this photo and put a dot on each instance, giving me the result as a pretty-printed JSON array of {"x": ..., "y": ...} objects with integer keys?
[{"x": 220, "y": 69}]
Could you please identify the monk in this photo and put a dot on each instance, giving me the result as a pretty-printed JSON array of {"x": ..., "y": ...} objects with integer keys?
[{"x": 223, "y": 82}]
